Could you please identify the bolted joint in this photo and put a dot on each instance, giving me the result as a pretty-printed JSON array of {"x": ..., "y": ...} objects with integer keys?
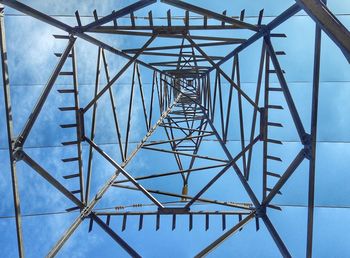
[
  {"x": 306, "y": 141},
  {"x": 77, "y": 30},
  {"x": 18, "y": 153},
  {"x": 264, "y": 29},
  {"x": 262, "y": 112},
  {"x": 18, "y": 142},
  {"x": 260, "y": 211},
  {"x": 169, "y": 31},
  {"x": 308, "y": 151},
  {"x": 174, "y": 210},
  {"x": 85, "y": 213},
  {"x": 81, "y": 126}
]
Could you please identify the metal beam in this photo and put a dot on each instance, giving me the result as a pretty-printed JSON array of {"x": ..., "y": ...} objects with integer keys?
[
  {"x": 176, "y": 27},
  {"x": 312, "y": 147},
  {"x": 182, "y": 196},
  {"x": 10, "y": 134},
  {"x": 93, "y": 126},
  {"x": 173, "y": 173},
  {"x": 210, "y": 44},
  {"x": 329, "y": 23},
  {"x": 112, "y": 30},
  {"x": 179, "y": 211}
]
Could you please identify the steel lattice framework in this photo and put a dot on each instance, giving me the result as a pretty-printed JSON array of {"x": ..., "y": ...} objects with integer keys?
[{"x": 191, "y": 111}]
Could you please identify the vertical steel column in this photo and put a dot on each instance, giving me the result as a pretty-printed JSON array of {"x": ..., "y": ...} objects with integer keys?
[
  {"x": 312, "y": 165},
  {"x": 93, "y": 125},
  {"x": 264, "y": 123},
  {"x": 10, "y": 135},
  {"x": 80, "y": 125}
]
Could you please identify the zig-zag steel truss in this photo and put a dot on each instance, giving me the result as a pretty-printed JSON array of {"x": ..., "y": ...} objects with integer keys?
[{"x": 187, "y": 99}]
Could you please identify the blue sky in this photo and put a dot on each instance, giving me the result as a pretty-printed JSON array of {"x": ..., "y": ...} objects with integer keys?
[{"x": 31, "y": 60}]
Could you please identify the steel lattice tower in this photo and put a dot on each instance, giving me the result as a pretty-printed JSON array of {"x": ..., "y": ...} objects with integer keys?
[{"x": 189, "y": 103}]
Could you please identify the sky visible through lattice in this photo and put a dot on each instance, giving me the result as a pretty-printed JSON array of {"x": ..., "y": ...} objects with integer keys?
[{"x": 31, "y": 49}]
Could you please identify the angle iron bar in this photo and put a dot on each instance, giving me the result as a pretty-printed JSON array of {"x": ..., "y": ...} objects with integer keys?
[
  {"x": 142, "y": 97},
  {"x": 166, "y": 63},
  {"x": 177, "y": 139},
  {"x": 114, "y": 108},
  {"x": 80, "y": 126},
  {"x": 148, "y": 53},
  {"x": 10, "y": 135},
  {"x": 176, "y": 27},
  {"x": 131, "y": 100},
  {"x": 221, "y": 106},
  {"x": 240, "y": 111},
  {"x": 113, "y": 31},
  {"x": 313, "y": 144},
  {"x": 228, "y": 204},
  {"x": 255, "y": 112},
  {"x": 93, "y": 126},
  {"x": 264, "y": 117},
  {"x": 180, "y": 212},
  {"x": 133, "y": 50},
  {"x": 185, "y": 154},
  {"x": 172, "y": 173}
]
